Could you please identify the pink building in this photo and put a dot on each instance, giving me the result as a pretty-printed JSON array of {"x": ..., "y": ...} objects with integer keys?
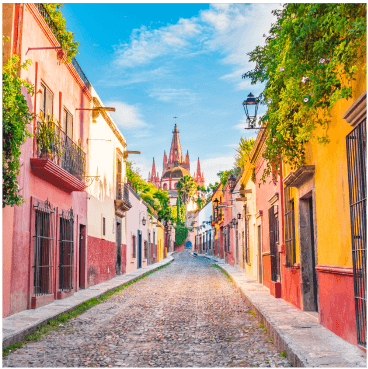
[{"x": 44, "y": 239}]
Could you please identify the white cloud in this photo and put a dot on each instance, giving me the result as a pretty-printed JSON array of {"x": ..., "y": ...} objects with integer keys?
[
  {"x": 126, "y": 116},
  {"x": 181, "y": 96},
  {"x": 146, "y": 45}
]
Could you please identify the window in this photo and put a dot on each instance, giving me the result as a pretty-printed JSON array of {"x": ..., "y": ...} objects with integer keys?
[
  {"x": 103, "y": 226},
  {"x": 43, "y": 250},
  {"x": 246, "y": 236},
  {"x": 289, "y": 229},
  {"x": 228, "y": 238},
  {"x": 145, "y": 249},
  {"x": 67, "y": 124},
  {"x": 46, "y": 100},
  {"x": 66, "y": 251},
  {"x": 154, "y": 243},
  {"x": 134, "y": 247}
]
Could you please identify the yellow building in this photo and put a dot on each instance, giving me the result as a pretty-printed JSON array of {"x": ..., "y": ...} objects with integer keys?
[
  {"x": 217, "y": 222},
  {"x": 160, "y": 241},
  {"x": 319, "y": 232}
]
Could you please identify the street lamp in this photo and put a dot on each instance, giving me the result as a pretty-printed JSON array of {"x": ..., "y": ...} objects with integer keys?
[
  {"x": 250, "y": 108},
  {"x": 143, "y": 220},
  {"x": 231, "y": 180}
]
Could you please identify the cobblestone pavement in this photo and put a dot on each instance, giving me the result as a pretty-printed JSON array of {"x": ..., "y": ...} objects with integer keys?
[{"x": 185, "y": 315}]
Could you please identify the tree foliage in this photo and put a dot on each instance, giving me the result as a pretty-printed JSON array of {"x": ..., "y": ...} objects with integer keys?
[
  {"x": 157, "y": 198},
  {"x": 16, "y": 117},
  {"x": 243, "y": 151},
  {"x": 181, "y": 233},
  {"x": 65, "y": 37},
  {"x": 308, "y": 62},
  {"x": 186, "y": 187}
]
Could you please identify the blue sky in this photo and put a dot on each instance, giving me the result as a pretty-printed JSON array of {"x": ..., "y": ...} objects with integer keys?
[{"x": 156, "y": 61}]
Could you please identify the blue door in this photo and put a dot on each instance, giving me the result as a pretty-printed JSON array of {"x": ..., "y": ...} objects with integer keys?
[{"x": 139, "y": 249}]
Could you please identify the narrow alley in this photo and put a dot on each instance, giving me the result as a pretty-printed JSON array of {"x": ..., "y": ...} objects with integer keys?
[{"x": 187, "y": 314}]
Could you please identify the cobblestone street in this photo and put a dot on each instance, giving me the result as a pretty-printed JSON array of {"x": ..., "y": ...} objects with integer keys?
[{"x": 187, "y": 314}]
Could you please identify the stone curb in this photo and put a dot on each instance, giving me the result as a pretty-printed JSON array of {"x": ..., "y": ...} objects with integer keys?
[
  {"x": 313, "y": 347},
  {"x": 29, "y": 320}
]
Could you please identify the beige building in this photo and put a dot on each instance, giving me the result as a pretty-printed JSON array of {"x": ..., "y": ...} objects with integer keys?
[{"x": 108, "y": 198}]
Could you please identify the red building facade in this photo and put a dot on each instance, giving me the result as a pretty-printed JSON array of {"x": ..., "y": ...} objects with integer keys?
[{"x": 45, "y": 238}]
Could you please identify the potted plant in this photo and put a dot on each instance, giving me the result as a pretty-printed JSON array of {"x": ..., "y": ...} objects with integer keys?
[{"x": 48, "y": 141}]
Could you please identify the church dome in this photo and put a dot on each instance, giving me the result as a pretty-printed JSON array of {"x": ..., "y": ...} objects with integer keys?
[{"x": 176, "y": 172}]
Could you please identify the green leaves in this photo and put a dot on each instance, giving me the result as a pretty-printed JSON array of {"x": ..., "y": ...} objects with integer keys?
[
  {"x": 16, "y": 117},
  {"x": 320, "y": 47}
]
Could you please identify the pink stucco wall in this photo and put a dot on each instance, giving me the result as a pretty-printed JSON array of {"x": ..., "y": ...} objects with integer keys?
[{"x": 63, "y": 81}]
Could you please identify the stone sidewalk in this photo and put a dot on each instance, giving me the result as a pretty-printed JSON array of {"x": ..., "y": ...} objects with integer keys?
[
  {"x": 306, "y": 342},
  {"x": 17, "y": 326}
]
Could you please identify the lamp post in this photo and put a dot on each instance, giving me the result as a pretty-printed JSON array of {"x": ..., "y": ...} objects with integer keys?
[
  {"x": 143, "y": 220},
  {"x": 250, "y": 106}
]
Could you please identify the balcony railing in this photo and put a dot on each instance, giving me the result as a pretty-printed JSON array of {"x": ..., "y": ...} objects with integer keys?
[
  {"x": 61, "y": 150},
  {"x": 54, "y": 29},
  {"x": 122, "y": 192}
]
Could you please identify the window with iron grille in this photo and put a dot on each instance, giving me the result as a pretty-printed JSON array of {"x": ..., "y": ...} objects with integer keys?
[
  {"x": 145, "y": 249},
  {"x": 67, "y": 123},
  {"x": 43, "y": 267},
  {"x": 274, "y": 252},
  {"x": 356, "y": 146},
  {"x": 228, "y": 239},
  {"x": 134, "y": 247},
  {"x": 66, "y": 250},
  {"x": 290, "y": 253},
  {"x": 46, "y": 100}
]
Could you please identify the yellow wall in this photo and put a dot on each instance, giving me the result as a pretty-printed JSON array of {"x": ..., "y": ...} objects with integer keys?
[
  {"x": 160, "y": 241},
  {"x": 331, "y": 186},
  {"x": 218, "y": 195}
]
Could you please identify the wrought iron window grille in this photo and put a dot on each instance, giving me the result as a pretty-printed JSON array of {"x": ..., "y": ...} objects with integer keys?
[
  {"x": 356, "y": 146},
  {"x": 43, "y": 249},
  {"x": 66, "y": 251}
]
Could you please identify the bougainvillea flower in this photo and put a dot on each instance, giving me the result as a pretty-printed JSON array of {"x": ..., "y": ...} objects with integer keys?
[
  {"x": 321, "y": 61},
  {"x": 306, "y": 99},
  {"x": 282, "y": 69}
]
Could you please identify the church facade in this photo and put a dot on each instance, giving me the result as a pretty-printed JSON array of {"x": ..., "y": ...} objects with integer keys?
[{"x": 175, "y": 166}]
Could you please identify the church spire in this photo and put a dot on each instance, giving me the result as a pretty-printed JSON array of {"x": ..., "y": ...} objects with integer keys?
[
  {"x": 198, "y": 169},
  {"x": 153, "y": 167},
  {"x": 176, "y": 154}
]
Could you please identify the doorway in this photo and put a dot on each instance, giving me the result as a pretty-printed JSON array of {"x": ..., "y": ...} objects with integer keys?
[
  {"x": 309, "y": 287},
  {"x": 82, "y": 257},
  {"x": 118, "y": 248},
  {"x": 139, "y": 249},
  {"x": 259, "y": 250}
]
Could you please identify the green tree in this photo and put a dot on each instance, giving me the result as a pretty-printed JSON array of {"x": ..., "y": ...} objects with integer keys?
[
  {"x": 243, "y": 151},
  {"x": 309, "y": 61},
  {"x": 186, "y": 187},
  {"x": 16, "y": 117},
  {"x": 65, "y": 37}
]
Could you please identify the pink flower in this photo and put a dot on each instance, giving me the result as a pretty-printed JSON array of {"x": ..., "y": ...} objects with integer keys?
[
  {"x": 306, "y": 99},
  {"x": 321, "y": 61},
  {"x": 282, "y": 69},
  {"x": 305, "y": 79},
  {"x": 294, "y": 15}
]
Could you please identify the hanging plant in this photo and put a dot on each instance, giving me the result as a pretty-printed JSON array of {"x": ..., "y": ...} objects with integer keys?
[{"x": 322, "y": 44}]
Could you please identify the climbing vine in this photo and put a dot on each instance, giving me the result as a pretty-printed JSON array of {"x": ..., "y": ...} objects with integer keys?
[
  {"x": 16, "y": 117},
  {"x": 65, "y": 37},
  {"x": 309, "y": 61},
  {"x": 181, "y": 233}
]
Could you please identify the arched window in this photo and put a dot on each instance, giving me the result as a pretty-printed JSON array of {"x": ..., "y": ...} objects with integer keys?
[{"x": 165, "y": 186}]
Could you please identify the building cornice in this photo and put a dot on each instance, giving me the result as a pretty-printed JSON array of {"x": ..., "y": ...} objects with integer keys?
[
  {"x": 357, "y": 111},
  {"x": 54, "y": 42},
  {"x": 111, "y": 124}
]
